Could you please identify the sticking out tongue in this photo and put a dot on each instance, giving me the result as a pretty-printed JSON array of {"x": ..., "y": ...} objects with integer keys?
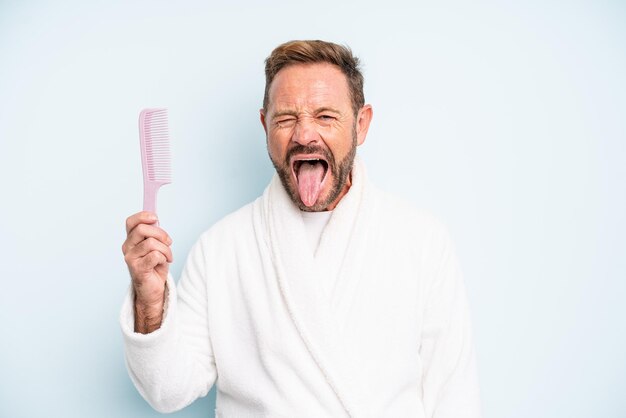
[{"x": 310, "y": 176}]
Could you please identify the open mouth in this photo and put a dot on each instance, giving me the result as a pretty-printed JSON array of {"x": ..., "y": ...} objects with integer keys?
[
  {"x": 310, "y": 173},
  {"x": 297, "y": 165}
]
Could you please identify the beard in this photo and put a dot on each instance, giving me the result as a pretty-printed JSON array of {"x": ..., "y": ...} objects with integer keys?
[{"x": 339, "y": 170}]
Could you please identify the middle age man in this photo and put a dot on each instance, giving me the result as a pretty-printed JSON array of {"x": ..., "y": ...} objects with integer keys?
[{"x": 323, "y": 298}]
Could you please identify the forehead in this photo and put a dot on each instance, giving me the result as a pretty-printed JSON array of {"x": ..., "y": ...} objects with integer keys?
[{"x": 301, "y": 86}]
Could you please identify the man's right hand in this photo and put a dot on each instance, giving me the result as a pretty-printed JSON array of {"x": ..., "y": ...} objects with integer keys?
[{"x": 147, "y": 253}]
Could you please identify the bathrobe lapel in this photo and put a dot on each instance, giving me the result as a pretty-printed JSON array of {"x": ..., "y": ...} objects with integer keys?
[
  {"x": 319, "y": 311},
  {"x": 294, "y": 266},
  {"x": 340, "y": 255}
]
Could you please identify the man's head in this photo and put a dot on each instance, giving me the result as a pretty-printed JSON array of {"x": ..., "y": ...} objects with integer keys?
[
  {"x": 314, "y": 117},
  {"x": 315, "y": 52}
]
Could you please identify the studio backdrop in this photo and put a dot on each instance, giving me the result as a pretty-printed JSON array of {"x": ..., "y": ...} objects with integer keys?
[{"x": 507, "y": 119}]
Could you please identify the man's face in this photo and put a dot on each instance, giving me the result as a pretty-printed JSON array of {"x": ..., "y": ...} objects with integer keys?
[{"x": 312, "y": 133}]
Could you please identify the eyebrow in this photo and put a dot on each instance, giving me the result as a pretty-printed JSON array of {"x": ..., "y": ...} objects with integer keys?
[{"x": 294, "y": 113}]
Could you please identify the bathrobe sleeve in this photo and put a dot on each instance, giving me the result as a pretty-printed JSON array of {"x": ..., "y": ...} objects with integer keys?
[
  {"x": 174, "y": 365},
  {"x": 450, "y": 383}
]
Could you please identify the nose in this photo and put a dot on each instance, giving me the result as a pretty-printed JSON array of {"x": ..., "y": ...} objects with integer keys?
[{"x": 305, "y": 132}]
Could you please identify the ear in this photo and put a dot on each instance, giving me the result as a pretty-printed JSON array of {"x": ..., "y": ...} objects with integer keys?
[
  {"x": 363, "y": 119},
  {"x": 262, "y": 115}
]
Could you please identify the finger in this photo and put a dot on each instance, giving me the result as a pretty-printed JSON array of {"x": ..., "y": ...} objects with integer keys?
[
  {"x": 143, "y": 217},
  {"x": 147, "y": 246},
  {"x": 143, "y": 231},
  {"x": 153, "y": 259},
  {"x": 140, "y": 266}
]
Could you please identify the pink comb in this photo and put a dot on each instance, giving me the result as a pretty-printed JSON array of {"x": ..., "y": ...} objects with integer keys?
[{"x": 155, "y": 154}]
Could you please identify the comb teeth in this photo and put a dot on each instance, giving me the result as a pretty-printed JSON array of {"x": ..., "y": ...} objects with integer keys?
[{"x": 156, "y": 143}]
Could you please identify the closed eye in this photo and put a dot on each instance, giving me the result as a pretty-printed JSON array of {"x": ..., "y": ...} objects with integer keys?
[{"x": 285, "y": 122}]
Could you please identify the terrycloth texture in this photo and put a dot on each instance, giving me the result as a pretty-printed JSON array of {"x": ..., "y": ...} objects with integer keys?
[
  {"x": 314, "y": 224},
  {"x": 389, "y": 338}
]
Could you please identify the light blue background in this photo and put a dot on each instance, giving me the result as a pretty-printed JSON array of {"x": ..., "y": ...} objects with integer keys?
[{"x": 506, "y": 119}]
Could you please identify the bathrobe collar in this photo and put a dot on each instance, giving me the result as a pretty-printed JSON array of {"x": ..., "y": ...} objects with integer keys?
[{"x": 319, "y": 312}]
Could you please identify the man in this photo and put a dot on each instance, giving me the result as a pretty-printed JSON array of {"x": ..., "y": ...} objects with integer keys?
[{"x": 325, "y": 297}]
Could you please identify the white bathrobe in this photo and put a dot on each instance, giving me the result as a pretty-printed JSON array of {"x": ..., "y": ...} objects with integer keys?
[{"x": 374, "y": 324}]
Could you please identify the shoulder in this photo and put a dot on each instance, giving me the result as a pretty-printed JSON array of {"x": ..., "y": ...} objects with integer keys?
[
  {"x": 230, "y": 228},
  {"x": 399, "y": 213},
  {"x": 417, "y": 233}
]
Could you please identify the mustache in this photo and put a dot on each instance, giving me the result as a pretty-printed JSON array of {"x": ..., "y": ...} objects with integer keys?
[{"x": 310, "y": 149}]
